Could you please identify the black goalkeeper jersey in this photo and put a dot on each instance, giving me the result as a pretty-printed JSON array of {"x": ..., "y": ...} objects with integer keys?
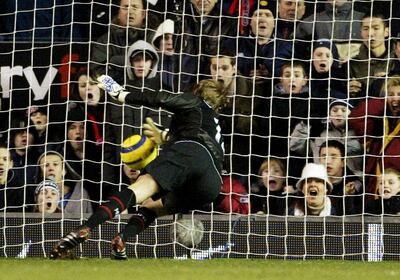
[{"x": 193, "y": 118}]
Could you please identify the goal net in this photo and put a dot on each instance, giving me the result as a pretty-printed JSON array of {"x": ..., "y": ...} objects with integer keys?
[{"x": 311, "y": 125}]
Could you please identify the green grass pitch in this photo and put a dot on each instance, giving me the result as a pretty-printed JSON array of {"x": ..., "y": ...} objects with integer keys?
[{"x": 165, "y": 269}]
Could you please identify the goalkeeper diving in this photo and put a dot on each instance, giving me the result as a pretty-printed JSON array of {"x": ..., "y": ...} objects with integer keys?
[{"x": 186, "y": 174}]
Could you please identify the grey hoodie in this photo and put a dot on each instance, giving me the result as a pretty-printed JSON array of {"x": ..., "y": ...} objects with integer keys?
[{"x": 141, "y": 45}]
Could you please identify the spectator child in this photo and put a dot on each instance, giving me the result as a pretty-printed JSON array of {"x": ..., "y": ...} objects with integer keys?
[
  {"x": 74, "y": 197},
  {"x": 47, "y": 197},
  {"x": 289, "y": 106},
  {"x": 164, "y": 41},
  {"x": 346, "y": 187},
  {"x": 47, "y": 137},
  {"x": 142, "y": 59},
  {"x": 327, "y": 76},
  {"x": 268, "y": 194},
  {"x": 337, "y": 128},
  {"x": 388, "y": 188},
  {"x": 314, "y": 186}
]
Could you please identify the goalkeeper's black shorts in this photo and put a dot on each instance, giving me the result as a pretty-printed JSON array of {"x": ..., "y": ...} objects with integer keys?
[{"x": 187, "y": 175}]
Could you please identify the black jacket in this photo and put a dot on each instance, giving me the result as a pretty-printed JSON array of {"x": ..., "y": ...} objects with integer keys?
[
  {"x": 13, "y": 195},
  {"x": 193, "y": 119}
]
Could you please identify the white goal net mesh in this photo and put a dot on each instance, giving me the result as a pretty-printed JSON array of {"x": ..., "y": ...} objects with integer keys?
[{"x": 311, "y": 127}]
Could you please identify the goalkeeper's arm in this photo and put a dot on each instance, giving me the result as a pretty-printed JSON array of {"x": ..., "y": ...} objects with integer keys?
[
  {"x": 114, "y": 89},
  {"x": 172, "y": 102}
]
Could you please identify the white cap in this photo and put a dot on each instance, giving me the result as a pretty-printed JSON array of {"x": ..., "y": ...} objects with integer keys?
[{"x": 314, "y": 170}]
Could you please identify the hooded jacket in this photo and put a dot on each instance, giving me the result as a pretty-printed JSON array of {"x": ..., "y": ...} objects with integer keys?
[{"x": 137, "y": 47}]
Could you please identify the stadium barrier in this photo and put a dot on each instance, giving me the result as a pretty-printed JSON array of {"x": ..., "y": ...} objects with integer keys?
[{"x": 349, "y": 238}]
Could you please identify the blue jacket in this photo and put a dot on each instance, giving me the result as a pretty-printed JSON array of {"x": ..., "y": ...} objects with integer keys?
[{"x": 273, "y": 55}]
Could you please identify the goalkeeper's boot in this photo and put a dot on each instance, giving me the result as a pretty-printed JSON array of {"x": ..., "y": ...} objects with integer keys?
[
  {"x": 68, "y": 242},
  {"x": 118, "y": 250}
]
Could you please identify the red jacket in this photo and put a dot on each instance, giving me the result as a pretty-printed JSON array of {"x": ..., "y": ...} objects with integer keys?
[
  {"x": 235, "y": 198},
  {"x": 368, "y": 119}
]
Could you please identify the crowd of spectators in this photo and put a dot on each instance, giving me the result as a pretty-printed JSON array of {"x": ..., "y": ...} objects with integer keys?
[{"x": 312, "y": 123}]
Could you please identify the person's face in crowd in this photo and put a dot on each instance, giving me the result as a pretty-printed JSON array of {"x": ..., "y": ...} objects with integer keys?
[
  {"x": 291, "y": 9},
  {"x": 132, "y": 174},
  {"x": 322, "y": 59},
  {"x": 393, "y": 100},
  {"x": 262, "y": 23},
  {"x": 337, "y": 3},
  {"x": 47, "y": 200},
  {"x": 23, "y": 139},
  {"x": 333, "y": 160},
  {"x": 222, "y": 69},
  {"x": 167, "y": 44},
  {"x": 293, "y": 79},
  {"x": 76, "y": 135},
  {"x": 314, "y": 190},
  {"x": 388, "y": 185},
  {"x": 273, "y": 177},
  {"x": 204, "y": 7},
  {"x": 141, "y": 65},
  {"x": 338, "y": 116},
  {"x": 52, "y": 166},
  {"x": 131, "y": 13},
  {"x": 6, "y": 164},
  {"x": 397, "y": 48},
  {"x": 39, "y": 121},
  {"x": 374, "y": 32},
  {"x": 89, "y": 92}
]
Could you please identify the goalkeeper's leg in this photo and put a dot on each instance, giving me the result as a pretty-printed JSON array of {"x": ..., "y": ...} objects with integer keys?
[
  {"x": 142, "y": 189},
  {"x": 137, "y": 223}
]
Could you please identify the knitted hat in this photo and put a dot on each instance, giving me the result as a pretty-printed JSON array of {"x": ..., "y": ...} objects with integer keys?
[
  {"x": 46, "y": 184},
  {"x": 343, "y": 102},
  {"x": 326, "y": 43}
]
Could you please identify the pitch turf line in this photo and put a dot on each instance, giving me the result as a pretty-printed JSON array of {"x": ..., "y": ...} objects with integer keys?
[{"x": 221, "y": 269}]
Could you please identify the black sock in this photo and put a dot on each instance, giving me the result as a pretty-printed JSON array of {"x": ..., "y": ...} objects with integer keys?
[
  {"x": 138, "y": 223},
  {"x": 117, "y": 203}
]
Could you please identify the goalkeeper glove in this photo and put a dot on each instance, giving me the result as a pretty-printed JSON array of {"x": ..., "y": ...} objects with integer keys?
[
  {"x": 112, "y": 87},
  {"x": 154, "y": 133}
]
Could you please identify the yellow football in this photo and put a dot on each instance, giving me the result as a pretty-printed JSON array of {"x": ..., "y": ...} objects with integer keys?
[{"x": 137, "y": 151}]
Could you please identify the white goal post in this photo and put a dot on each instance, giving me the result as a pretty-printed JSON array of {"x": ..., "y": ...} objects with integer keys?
[{"x": 306, "y": 81}]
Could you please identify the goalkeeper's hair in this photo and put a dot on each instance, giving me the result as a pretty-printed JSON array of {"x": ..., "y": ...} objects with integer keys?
[{"x": 212, "y": 92}]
